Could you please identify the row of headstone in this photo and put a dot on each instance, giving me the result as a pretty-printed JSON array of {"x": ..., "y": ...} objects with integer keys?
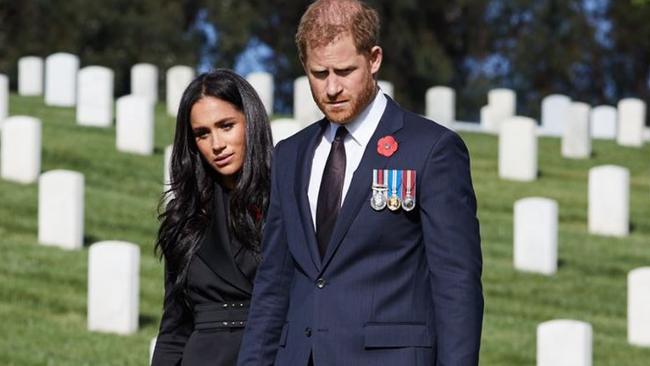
[
  {"x": 536, "y": 219},
  {"x": 566, "y": 342},
  {"x": 562, "y": 117},
  {"x": 93, "y": 92}
]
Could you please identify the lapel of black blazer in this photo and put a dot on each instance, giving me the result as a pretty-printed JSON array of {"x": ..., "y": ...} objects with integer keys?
[
  {"x": 215, "y": 249},
  {"x": 305, "y": 159},
  {"x": 391, "y": 121}
]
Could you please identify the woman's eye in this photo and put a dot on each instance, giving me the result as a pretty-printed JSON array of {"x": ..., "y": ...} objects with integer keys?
[
  {"x": 200, "y": 134},
  {"x": 227, "y": 126}
]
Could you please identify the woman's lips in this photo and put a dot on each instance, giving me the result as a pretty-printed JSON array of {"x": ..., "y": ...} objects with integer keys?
[{"x": 223, "y": 160}]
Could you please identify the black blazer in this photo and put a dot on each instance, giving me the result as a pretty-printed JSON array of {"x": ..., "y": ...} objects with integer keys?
[{"x": 220, "y": 286}]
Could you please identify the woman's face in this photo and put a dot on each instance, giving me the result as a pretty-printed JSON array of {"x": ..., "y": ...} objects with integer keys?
[{"x": 220, "y": 133}]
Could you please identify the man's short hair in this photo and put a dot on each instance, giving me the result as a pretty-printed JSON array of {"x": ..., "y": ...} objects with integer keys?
[{"x": 325, "y": 20}]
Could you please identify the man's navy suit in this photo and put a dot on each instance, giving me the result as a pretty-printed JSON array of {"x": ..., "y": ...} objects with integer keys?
[{"x": 394, "y": 287}]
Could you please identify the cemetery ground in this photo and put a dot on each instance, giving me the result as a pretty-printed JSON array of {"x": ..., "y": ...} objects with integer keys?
[{"x": 43, "y": 290}]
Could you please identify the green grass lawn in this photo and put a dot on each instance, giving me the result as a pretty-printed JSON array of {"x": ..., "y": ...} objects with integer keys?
[{"x": 43, "y": 289}]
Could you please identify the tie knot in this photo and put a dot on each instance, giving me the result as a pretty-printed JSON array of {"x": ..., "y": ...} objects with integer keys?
[{"x": 341, "y": 132}]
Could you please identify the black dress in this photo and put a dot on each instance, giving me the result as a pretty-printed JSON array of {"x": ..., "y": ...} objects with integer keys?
[{"x": 220, "y": 286}]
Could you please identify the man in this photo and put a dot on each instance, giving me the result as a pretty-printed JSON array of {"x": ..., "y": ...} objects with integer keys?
[{"x": 371, "y": 247}]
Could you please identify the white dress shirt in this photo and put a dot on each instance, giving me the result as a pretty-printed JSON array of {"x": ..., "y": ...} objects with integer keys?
[{"x": 360, "y": 131}]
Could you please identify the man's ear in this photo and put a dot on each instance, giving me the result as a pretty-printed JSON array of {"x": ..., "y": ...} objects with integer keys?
[{"x": 376, "y": 55}]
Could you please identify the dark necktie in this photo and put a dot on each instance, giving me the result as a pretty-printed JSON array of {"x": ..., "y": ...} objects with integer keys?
[{"x": 331, "y": 188}]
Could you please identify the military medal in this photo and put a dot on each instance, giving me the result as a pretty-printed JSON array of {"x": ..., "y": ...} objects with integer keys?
[
  {"x": 394, "y": 201},
  {"x": 379, "y": 189},
  {"x": 408, "y": 201}
]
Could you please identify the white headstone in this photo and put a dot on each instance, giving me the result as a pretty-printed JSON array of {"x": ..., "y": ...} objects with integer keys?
[
  {"x": 603, "y": 122},
  {"x": 535, "y": 235},
  {"x": 564, "y": 343},
  {"x": 61, "y": 79},
  {"x": 61, "y": 209},
  {"x": 30, "y": 76},
  {"x": 113, "y": 287},
  {"x": 609, "y": 200},
  {"x": 144, "y": 81},
  {"x": 518, "y": 149},
  {"x": 262, "y": 82},
  {"x": 178, "y": 78},
  {"x": 631, "y": 122},
  {"x": 555, "y": 113},
  {"x": 4, "y": 97},
  {"x": 490, "y": 121},
  {"x": 386, "y": 87},
  {"x": 135, "y": 125},
  {"x": 441, "y": 105},
  {"x": 168, "y": 166},
  {"x": 576, "y": 139},
  {"x": 503, "y": 103},
  {"x": 152, "y": 348},
  {"x": 638, "y": 307},
  {"x": 282, "y": 128},
  {"x": 305, "y": 109},
  {"x": 95, "y": 96},
  {"x": 21, "y": 149}
]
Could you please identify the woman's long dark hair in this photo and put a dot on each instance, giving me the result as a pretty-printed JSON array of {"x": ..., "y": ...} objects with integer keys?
[{"x": 188, "y": 201}]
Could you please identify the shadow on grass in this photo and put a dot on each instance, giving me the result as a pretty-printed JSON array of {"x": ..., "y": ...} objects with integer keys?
[{"x": 89, "y": 240}]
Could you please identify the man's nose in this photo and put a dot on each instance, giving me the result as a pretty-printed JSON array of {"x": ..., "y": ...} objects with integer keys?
[{"x": 333, "y": 86}]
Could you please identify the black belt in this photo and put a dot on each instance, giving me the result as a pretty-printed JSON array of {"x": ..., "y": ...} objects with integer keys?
[{"x": 221, "y": 315}]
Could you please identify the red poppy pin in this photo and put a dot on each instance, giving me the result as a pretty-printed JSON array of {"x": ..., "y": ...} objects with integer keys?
[{"x": 387, "y": 146}]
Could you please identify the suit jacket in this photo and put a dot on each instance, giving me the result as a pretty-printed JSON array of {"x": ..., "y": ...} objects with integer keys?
[
  {"x": 220, "y": 281},
  {"x": 393, "y": 288}
]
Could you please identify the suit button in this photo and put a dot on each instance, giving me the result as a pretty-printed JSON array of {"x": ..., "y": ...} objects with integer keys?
[
  {"x": 320, "y": 283},
  {"x": 308, "y": 332}
]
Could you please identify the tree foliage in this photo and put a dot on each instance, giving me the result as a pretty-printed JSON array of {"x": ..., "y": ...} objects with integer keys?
[
  {"x": 596, "y": 51},
  {"x": 112, "y": 33}
]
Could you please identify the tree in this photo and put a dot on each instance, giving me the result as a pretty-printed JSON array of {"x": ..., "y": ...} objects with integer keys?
[{"x": 112, "y": 33}]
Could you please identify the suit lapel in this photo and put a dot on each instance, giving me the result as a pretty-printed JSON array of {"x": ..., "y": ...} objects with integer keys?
[
  {"x": 360, "y": 186},
  {"x": 215, "y": 249},
  {"x": 305, "y": 159}
]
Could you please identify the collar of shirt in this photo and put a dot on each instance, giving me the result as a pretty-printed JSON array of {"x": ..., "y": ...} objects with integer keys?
[{"x": 364, "y": 125}]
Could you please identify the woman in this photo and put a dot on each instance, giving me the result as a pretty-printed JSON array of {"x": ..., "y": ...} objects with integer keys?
[{"x": 210, "y": 230}]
